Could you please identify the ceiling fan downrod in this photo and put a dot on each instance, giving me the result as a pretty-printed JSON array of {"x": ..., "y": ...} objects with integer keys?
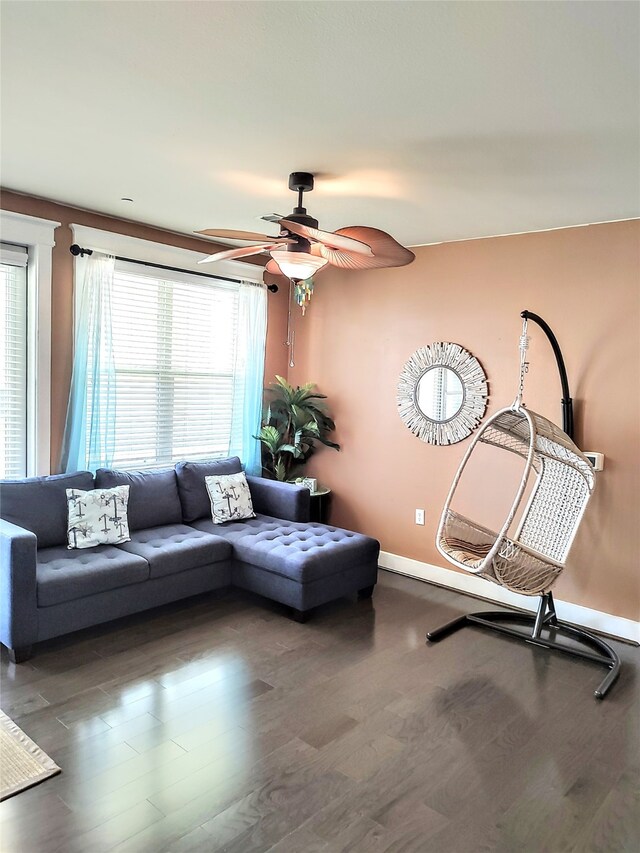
[{"x": 301, "y": 183}]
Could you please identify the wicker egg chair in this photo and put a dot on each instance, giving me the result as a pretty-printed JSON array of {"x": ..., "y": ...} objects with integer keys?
[{"x": 530, "y": 559}]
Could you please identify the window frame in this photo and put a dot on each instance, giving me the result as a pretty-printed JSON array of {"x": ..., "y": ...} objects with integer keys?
[{"x": 38, "y": 235}]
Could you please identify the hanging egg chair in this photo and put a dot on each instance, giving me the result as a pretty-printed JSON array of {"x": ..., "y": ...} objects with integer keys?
[
  {"x": 529, "y": 561},
  {"x": 527, "y": 554}
]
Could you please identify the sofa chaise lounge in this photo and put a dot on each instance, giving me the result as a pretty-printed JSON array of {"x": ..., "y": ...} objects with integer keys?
[{"x": 175, "y": 551}]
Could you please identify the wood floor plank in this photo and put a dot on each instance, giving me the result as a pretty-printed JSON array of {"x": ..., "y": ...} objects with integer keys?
[
  {"x": 334, "y": 726},
  {"x": 195, "y": 841},
  {"x": 299, "y": 840},
  {"x": 364, "y": 761},
  {"x": 106, "y": 836},
  {"x": 364, "y": 834}
]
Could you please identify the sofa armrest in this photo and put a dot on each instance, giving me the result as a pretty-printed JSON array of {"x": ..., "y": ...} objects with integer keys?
[
  {"x": 18, "y": 600},
  {"x": 281, "y": 500}
]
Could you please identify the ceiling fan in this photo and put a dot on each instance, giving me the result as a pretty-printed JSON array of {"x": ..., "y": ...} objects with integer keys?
[{"x": 301, "y": 249}]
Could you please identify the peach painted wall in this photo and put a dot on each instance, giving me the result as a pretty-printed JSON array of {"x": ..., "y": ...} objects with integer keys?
[
  {"x": 277, "y": 354},
  {"x": 62, "y": 295},
  {"x": 362, "y": 327}
]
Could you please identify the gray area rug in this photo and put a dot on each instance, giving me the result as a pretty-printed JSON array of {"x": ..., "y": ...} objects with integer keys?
[{"x": 22, "y": 763}]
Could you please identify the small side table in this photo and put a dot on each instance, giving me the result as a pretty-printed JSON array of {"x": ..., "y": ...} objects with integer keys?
[{"x": 320, "y": 505}]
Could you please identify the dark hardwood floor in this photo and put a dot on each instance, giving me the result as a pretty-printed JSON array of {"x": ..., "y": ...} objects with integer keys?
[{"x": 221, "y": 725}]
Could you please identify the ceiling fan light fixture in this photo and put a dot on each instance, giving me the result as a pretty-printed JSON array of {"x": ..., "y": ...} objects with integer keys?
[{"x": 298, "y": 266}]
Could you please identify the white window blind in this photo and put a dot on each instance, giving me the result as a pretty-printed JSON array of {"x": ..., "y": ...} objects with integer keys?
[
  {"x": 13, "y": 360},
  {"x": 174, "y": 342}
]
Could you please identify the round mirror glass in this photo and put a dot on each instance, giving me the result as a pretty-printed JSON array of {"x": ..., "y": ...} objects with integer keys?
[{"x": 439, "y": 394}]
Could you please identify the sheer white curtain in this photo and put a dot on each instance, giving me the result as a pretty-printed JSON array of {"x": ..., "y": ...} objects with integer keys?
[
  {"x": 89, "y": 431},
  {"x": 248, "y": 388}
]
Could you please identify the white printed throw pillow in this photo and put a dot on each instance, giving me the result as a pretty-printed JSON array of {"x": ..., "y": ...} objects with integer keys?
[
  {"x": 230, "y": 497},
  {"x": 98, "y": 517}
]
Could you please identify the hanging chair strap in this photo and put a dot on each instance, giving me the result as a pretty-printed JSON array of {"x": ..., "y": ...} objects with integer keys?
[{"x": 524, "y": 364}]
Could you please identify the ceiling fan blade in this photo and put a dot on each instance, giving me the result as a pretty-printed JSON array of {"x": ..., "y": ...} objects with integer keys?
[
  {"x": 327, "y": 238},
  {"x": 241, "y": 252},
  {"x": 272, "y": 217},
  {"x": 273, "y": 268},
  {"x": 387, "y": 252},
  {"x": 230, "y": 234}
]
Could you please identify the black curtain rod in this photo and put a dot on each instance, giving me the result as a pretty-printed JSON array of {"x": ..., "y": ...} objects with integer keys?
[{"x": 77, "y": 250}]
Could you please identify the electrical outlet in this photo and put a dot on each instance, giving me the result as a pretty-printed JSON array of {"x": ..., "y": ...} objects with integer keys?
[
  {"x": 419, "y": 516},
  {"x": 596, "y": 459}
]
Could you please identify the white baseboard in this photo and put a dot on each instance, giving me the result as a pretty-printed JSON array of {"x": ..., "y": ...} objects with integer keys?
[{"x": 604, "y": 623}]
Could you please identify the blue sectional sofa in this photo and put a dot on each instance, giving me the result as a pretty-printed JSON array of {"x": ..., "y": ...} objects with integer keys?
[{"x": 175, "y": 551}]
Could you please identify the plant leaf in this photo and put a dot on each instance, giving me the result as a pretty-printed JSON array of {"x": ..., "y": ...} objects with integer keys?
[
  {"x": 328, "y": 443},
  {"x": 290, "y": 448}
]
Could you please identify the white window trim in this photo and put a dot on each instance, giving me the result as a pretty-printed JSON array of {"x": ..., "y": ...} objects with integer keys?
[
  {"x": 38, "y": 236},
  {"x": 162, "y": 253}
]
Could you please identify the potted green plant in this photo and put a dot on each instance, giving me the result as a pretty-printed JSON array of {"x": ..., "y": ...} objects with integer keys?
[{"x": 294, "y": 420}]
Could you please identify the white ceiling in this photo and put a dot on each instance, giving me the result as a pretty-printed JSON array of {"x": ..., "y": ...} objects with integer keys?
[{"x": 432, "y": 120}]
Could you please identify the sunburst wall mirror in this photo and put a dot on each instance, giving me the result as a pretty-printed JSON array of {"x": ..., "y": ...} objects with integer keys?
[{"x": 442, "y": 393}]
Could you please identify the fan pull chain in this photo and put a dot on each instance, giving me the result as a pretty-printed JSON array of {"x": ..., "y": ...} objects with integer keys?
[
  {"x": 291, "y": 335},
  {"x": 288, "y": 342},
  {"x": 524, "y": 364}
]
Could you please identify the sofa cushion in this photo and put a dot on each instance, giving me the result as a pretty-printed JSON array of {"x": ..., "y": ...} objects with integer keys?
[
  {"x": 39, "y": 504},
  {"x": 63, "y": 575},
  {"x": 153, "y": 495},
  {"x": 175, "y": 548},
  {"x": 301, "y": 552},
  {"x": 192, "y": 488}
]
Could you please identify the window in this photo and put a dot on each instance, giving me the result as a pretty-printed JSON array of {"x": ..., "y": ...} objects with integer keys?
[
  {"x": 13, "y": 361},
  {"x": 178, "y": 368},
  {"x": 25, "y": 345},
  {"x": 174, "y": 347}
]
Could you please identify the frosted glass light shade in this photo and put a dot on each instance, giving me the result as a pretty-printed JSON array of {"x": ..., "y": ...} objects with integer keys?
[{"x": 298, "y": 265}]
